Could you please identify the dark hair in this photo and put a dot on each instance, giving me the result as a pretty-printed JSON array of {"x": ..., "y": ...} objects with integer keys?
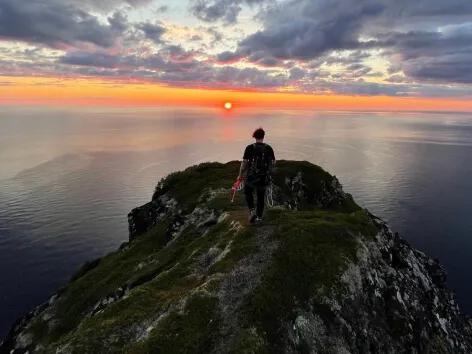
[{"x": 259, "y": 134}]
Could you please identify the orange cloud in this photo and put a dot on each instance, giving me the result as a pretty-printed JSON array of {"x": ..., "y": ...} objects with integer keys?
[{"x": 44, "y": 91}]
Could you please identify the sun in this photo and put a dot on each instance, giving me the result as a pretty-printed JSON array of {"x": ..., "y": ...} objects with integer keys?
[{"x": 228, "y": 105}]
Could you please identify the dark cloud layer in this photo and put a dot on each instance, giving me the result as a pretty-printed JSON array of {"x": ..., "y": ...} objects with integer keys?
[
  {"x": 177, "y": 67},
  {"x": 91, "y": 59},
  {"x": 162, "y": 67},
  {"x": 169, "y": 59},
  {"x": 69, "y": 23},
  {"x": 312, "y": 31},
  {"x": 53, "y": 23},
  {"x": 171, "y": 64},
  {"x": 103, "y": 5},
  {"x": 434, "y": 56},
  {"x": 455, "y": 68},
  {"x": 307, "y": 30},
  {"x": 214, "y": 10}
]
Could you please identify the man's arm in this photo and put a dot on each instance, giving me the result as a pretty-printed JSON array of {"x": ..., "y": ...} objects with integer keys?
[
  {"x": 244, "y": 164},
  {"x": 242, "y": 168},
  {"x": 273, "y": 157}
]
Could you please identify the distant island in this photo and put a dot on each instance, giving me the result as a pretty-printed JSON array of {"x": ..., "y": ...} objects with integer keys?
[{"x": 320, "y": 274}]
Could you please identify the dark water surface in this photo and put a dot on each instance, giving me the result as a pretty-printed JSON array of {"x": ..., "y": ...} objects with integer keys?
[{"x": 69, "y": 177}]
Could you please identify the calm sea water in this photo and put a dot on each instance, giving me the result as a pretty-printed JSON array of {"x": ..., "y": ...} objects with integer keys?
[{"x": 69, "y": 176}]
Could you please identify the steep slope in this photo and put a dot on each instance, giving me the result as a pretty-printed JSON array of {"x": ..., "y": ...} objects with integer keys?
[{"x": 319, "y": 275}]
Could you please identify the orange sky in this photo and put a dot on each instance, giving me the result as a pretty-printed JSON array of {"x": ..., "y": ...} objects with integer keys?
[{"x": 43, "y": 91}]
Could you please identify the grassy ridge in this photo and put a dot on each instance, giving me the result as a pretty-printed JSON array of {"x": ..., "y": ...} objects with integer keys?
[{"x": 171, "y": 307}]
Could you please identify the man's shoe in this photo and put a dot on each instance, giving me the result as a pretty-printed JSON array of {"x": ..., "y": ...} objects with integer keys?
[
  {"x": 252, "y": 216},
  {"x": 259, "y": 219}
]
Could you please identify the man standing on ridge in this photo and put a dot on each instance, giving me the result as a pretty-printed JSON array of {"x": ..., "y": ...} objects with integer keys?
[{"x": 258, "y": 160}]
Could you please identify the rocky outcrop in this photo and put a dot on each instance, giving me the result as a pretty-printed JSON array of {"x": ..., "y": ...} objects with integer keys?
[
  {"x": 320, "y": 275},
  {"x": 397, "y": 302},
  {"x": 144, "y": 218}
]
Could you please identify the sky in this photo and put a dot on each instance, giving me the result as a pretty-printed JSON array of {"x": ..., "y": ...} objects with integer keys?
[{"x": 328, "y": 54}]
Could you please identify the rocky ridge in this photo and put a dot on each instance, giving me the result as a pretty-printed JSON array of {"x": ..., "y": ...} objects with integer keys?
[{"x": 319, "y": 275}]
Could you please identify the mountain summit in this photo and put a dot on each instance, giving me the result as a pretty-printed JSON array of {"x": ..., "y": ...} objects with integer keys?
[{"x": 318, "y": 275}]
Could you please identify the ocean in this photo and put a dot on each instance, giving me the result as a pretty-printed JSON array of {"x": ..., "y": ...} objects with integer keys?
[{"x": 70, "y": 175}]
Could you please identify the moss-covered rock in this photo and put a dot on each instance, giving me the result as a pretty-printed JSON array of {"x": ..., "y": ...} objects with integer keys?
[{"x": 319, "y": 275}]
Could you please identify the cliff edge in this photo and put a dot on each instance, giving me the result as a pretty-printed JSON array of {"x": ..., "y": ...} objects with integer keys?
[{"x": 318, "y": 275}]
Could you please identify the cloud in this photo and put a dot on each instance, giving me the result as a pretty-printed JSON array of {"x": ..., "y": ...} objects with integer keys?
[
  {"x": 226, "y": 77},
  {"x": 151, "y": 31},
  {"x": 53, "y": 23},
  {"x": 196, "y": 38},
  {"x": 29, "y": 54},
  {"x": 220, "y": 9},
  {"x": 258, "y": 58},
  {"x": 167, "y": 59},
  {"x": 227, "y": 57},
  {"x": 163, "y": 8},
  {"x": 356, "y": 66},
  {"x": 440, "y": 8},
  {"x": 171, "y": 64},
  {"x": 119, "y": 22},
  {"x": 453, "y": 68},
  {"x": 306, "y": 29},
  {"x": 442, "y": 56},
  {"x": 102, "y": 60},
  {"x": 416, "y": 44},
  {"x": 297, "y": 74},
  {"x": 269, "y": 62},
  {"x": 398, "y": 79},
  {"x": 215, "y": 10},
  {"x": 374, "y": 74},
  {"x": 104, "y": 6},
  {"x": 215, "y": 33},
  {"x": 361, "y": 88},
  {"x": 345, "y": 57}
]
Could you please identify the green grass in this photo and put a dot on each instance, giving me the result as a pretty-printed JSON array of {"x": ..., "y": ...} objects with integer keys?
[
  {"x": 243, "y": 245},
  {"x": 314, "y": 251},
  {"x": 120, "y": 269},
  {"x": 157, "y": 286},
  {"x": 196, "y": 331},
  {"x": 250, "y": 342},
  {"x": 187, "y": 186},
  {"x": 85, "y": 268},
  {"x": 114, "y": 271},
  {"x": 315, "y": 179},
  {"x": 437, "y": 346},
  {"x": 121, "y": 320}
]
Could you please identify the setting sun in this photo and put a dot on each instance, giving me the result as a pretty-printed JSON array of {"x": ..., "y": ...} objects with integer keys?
[{"x": 228, "y": 105}]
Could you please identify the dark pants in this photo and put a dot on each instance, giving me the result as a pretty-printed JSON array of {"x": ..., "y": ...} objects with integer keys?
[{"x": 249, "y": 193}]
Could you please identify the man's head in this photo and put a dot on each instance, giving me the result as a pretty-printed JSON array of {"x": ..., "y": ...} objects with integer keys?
[{"x": 259, "y": 134}]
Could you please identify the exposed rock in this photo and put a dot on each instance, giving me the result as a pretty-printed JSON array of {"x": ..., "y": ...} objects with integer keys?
[
  {"x": 242, "y": 279},
  {"x": 107, "y": 301},
  {"x": 392, "y": 306},
  {"x": 144, "y": 218}
]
